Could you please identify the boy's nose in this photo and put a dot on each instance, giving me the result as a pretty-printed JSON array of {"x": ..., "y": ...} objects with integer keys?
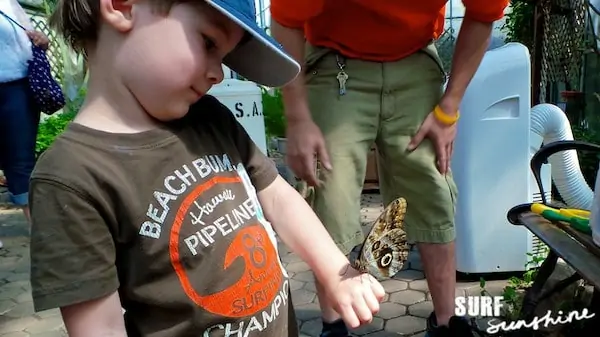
[{"x": 215, "y": 74}]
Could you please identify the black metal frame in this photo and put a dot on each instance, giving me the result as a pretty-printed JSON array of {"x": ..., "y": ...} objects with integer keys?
[{"x": 534, "y": 295}]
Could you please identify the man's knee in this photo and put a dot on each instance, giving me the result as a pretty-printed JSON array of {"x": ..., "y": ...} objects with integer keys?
[{"x": 431, "y": 206}]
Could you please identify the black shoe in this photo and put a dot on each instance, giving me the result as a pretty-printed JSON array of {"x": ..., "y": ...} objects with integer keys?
[
  {"x": 334, "y": 329},
  {"x": 457, "y": 327}
]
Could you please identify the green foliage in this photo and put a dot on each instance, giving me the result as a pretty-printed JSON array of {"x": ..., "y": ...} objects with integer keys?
[
  {"x": 49, "y": 6},
  {"x": 54, "y": 125},
  {"x": 50, "y": 128},
  {"x": 519, "y": 24},
  {"x": 273, "y": 113},
  {"x": 513, "y": 292}
]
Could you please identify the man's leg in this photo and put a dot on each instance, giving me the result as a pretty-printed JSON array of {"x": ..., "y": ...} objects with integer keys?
[
  {"x": 412, "y": 88},
  {"x": 349, "y": 124}
]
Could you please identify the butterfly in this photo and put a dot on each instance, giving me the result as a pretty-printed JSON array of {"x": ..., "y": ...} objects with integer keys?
[{"x": 385, "y": 249}]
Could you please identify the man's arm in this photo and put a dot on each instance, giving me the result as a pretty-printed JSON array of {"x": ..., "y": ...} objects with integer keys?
[
  {"x": 97, "y": 318},
  {"x": 287, "y": 27},
  {"x": 304, "y": 137},
  {"x": 471, "y": 45},
  {"x": 294, "y": 93}
]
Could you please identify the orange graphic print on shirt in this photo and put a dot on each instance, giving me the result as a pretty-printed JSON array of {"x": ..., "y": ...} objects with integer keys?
[{"x": 261, "y": 279}]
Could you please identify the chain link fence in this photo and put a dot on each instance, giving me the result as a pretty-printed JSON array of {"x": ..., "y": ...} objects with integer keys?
[
  {"x": 569, "y": 60},
  {"x": 446, "y": 42},
  {"x": 563, "y": 46}
]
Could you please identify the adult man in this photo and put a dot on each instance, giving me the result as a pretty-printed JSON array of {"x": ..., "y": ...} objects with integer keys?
[{"x": 372, "y": 74}]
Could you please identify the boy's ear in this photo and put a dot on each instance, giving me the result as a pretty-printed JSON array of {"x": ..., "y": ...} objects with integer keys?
[{"x": 117, "y": 13}]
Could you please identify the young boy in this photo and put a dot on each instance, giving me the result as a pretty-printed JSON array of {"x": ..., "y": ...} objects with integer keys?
[{"x": 152, "y": 200}]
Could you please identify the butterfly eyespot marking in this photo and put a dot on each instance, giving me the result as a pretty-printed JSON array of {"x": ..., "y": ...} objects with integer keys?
[{"x": 386, "y": 260}]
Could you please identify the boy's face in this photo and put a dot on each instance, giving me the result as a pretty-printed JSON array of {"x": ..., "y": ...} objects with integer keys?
[{"x": 167, "y": 62}]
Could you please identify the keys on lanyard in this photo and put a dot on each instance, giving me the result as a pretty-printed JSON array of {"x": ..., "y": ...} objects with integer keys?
[{"x": 342, "y": 77}]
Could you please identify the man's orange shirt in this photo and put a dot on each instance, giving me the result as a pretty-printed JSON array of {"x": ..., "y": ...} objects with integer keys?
[{"x": 375, "y": 30}]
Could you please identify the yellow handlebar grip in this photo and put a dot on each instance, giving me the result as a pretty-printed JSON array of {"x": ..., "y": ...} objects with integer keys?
[
  {"x": 539, "y": 208},
  {"x": 575, "y": 213}
]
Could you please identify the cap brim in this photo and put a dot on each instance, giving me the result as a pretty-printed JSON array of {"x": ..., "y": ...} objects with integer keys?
[{"x": 261, "y": 59}]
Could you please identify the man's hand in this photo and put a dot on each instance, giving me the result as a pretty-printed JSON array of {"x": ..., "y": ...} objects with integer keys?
[
  {"x": 355, "y": 296},
  {"x": 38, "y": 38},
  {"x": 441, "y": 135},
  {"x": 304, "y": 140},
  {"x": 471, "y": 44}
]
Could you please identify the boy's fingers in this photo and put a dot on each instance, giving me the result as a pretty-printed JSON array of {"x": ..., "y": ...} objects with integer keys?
[
  {"x": 377, "y": 289},
  {"x": 349, "y": 316},
  {"x": 362, "y": 310},
  {"x": 371, "y": 301}
]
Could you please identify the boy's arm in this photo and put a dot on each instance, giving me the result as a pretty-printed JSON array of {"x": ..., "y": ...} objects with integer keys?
[
  {"x": 355, "y": 296},
  {"x": 300, "y": 229},
  {"x": 73, "y": 261},
  {"x": 95, "y": 318}
]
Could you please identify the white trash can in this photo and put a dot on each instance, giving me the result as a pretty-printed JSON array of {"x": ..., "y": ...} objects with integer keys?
[{"x": 244, "y": 99}]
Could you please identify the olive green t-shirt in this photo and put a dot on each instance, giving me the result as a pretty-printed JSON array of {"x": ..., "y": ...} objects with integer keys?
[{"x": 170, "y": 219}]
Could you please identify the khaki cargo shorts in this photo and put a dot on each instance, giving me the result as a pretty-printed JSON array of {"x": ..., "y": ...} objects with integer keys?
[{"x": 384, "y": 103}]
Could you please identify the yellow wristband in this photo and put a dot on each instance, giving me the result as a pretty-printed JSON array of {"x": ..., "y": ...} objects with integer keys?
[{"x": 443, "y": 117}]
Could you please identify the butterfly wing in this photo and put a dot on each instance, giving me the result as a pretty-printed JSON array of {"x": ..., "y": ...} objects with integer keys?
[
  {"x": 389, "y": 254},
  {"x": 385, "y": 248}
]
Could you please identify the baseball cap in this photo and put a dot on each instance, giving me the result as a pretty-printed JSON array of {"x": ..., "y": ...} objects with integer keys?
[{"x": 260, "y": 59}]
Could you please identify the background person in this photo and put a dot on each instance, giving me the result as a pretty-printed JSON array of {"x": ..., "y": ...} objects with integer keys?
[
  {"x": 19, "y": 116},
  {"x": 372, "y": 75}
]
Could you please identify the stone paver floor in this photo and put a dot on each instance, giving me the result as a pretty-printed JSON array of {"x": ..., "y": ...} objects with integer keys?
[{"x": 403, "y": 311}]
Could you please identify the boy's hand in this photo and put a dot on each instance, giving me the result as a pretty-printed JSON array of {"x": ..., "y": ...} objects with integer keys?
[{"x": 355, "y": 296}]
